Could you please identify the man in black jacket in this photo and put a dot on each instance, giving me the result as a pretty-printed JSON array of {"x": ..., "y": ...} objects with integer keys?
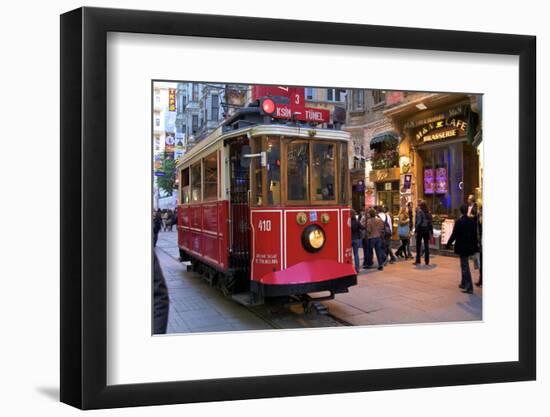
[
  {"x": 161, "y": 302},
  {"x": 465, "y": 235}
]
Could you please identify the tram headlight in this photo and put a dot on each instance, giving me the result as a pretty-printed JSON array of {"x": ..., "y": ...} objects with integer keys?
[{"x": 313, "y": 238}]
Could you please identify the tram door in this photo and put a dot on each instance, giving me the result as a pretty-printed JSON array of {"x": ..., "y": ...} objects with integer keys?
[{"x": 239, "y": 211}]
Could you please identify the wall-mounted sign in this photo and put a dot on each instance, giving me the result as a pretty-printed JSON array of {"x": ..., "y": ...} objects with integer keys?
[
  {"x": 388, "y": 174},
  {"x": 172, "y": 99},
  {"x": 452, "y": 112},
  {"x": 407, "y": 180},
  {"x": 429, "y": 181},
  {"x": 387, "y": 186},
  {"x": 442, "y": 129}
]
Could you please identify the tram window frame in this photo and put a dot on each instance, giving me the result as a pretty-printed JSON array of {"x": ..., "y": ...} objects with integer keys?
[
  {"x": 335, "y": 191},
  {"x": 257, "y": 199},
  {"x": 207, "y": 185},
  {"x": 185, "y": 189},
  {"x": 269, "y": 194},
  {"x": 193, "y": 183},
  {"x": 343, "y": 171},
  {"x": 286, "y": 144}
]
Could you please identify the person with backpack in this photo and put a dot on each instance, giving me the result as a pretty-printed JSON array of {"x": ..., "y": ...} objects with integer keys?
[
  {"x": 387, "y": 234},
  {"x": 423, "y": 231}
]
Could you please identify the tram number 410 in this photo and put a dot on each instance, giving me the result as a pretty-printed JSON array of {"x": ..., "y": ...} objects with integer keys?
[{"x": 264, "y": 225}]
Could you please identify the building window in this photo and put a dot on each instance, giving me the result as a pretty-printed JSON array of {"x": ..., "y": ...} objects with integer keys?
[
  {"x": 358, "y": 100},
  {"x": 335, "y": 94},
  {"x": 378, "y": 96},
  {"x": 309, "y": 93},
  {"x": 215, "y": 107},
  {"x": 157, "y": 121},
  {"x": 195, "y": 123}
]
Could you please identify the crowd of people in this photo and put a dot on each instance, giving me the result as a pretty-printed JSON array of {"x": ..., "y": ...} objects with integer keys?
[
  {"x": 163, "y": 220},
  {"x": 372, "y": 231}
]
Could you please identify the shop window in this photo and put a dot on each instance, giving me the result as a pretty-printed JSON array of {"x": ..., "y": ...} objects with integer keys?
[
  {"x": 210, "y": 167},
  {"x": 323, "y": 172},
  {"x": 297, "y": 171},
  {"x": 196, "y": 182},
  {"x": 185, "y": 191}
]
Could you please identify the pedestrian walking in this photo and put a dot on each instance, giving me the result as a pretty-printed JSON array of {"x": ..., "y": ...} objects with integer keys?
[
  {"x": 411, "y": 224},
  {"x": 388, "y": 233},
  {"x": 465, "y": 238},
  {"x": 356, "y": 240},
  {"x": 479, "y": 282},
  {"x": 472, "y": 206},
  {"x": 403, "y": 231},
  {"x": 375, "y": 231},
  {"x": 423, "y": 230},
  {"x": 173, "y": 220},
  {"x": 157, "y": 225},
  {"x": 364, "y": 240},
  {"x": 168, "y": 220}
]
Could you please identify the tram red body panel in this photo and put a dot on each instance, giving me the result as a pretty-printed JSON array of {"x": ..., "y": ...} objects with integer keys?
[
  {"x": 278, "y": 255},
  {"x": 203, "y": 231}
]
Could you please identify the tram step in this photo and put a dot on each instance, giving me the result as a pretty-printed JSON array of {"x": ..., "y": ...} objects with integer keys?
[{"x": 245, "y": 298}]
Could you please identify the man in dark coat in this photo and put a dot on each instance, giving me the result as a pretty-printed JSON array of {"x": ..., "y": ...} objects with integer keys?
[
  {"x": 160, "y": 299},
  {"x": 465, "y": 236}
]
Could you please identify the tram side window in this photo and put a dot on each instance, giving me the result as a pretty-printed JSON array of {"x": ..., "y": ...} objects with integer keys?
[
  {"x": 184, "y": 181},
  {"x": 273, "y": 151},
  {"x": 196, "y": 182},
  {"x": 210, "y": 165},
  {"x": 323, "y": 172},
  {"x": 297, "y": 171}
]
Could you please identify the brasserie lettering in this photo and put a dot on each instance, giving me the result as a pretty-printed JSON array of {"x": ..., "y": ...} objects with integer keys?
[{"x": 450, "y": 122}]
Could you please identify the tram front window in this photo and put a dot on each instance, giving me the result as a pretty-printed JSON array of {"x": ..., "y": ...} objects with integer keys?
[
  {"x": 322, "y": 170},
  {"x": 297, "y": 171}
]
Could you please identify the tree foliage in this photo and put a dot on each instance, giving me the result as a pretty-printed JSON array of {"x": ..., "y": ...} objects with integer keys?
[{"x": 167, "y": 182}]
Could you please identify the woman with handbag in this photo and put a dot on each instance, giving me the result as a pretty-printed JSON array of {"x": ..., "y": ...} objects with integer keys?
[{"x": 403, "y": 231}]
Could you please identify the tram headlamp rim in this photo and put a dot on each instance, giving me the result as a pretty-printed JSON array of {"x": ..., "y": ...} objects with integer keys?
[{"x": 311, "y": 232}]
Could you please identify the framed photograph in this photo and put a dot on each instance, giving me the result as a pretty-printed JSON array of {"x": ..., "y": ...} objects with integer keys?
[{"x": 257, "y": 208}]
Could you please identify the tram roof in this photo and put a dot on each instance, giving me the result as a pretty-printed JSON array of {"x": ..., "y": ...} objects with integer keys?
[{"x": 305, "y": 132}]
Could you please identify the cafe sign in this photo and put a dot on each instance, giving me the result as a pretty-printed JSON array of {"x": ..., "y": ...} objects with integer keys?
[{"x": 441, "y": 129}]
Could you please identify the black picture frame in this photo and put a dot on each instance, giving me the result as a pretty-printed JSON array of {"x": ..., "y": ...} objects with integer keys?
[{"x": 84, "y": 207}]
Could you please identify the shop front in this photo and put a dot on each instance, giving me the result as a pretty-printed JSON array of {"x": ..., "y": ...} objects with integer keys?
[{"x": 438, "y": 163}]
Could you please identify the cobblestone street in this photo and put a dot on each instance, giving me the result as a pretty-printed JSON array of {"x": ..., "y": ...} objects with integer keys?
[{"x": 400, "y": 294}]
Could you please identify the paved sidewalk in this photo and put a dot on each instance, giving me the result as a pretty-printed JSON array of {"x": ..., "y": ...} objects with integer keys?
[
  {"x": 404, "y": 293},
  {"x": 401, "y": 293}
]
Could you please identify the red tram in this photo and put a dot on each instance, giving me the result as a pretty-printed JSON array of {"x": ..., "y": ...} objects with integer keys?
[{"x": 264, "y": 203}]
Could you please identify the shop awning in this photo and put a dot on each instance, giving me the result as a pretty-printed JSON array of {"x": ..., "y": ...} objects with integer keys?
[{"x": 386, "y": 137}]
